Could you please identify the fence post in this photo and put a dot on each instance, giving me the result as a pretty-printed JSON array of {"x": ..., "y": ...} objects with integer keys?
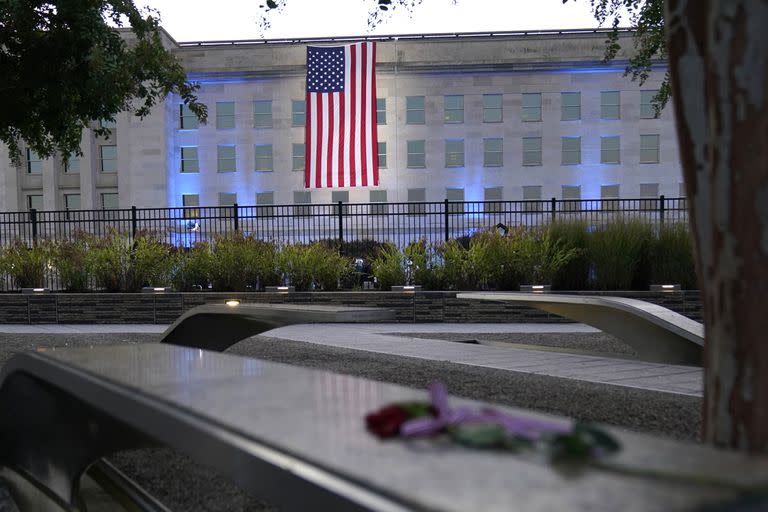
[
  {"x": 236, "y": 216},
  {"x": 445, "y": 215},
  {"x": 661, "y": 209},
  {"x": 133, "y": 222},
  {"x": 33, "y": 219},
  {"x": 341, "y": 225},
  {"x": 553, "y": 208}
]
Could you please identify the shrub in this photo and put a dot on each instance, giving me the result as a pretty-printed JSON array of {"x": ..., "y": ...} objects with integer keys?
[
  {"x": 151, "y": 262},
  {"x": 329, "y": 267},
  {"x": 619, "y": 253},
  {"x": 388, "y": 267},
  {"x": 239, "y": 262},
  {"x": 496, "y": 260},
  {"x": 573, "y": 275},
  {"x": 109, "y": 258},
  {"x": 459, "y": 272},
  {"x": 70, "y": 258},
  {"x": 26, "y": 265},
  {"x": 672, "y": 255},
  {"x": 542, "y": 256},
  {"x": 423, "y": 264},
  {"x": 193, "y": 267}
]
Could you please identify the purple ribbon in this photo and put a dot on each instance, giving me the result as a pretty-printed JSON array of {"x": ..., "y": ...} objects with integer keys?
[{"x": 518, "y": 426}]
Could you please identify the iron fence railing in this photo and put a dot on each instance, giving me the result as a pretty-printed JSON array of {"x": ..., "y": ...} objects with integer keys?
[{"x": 400, "y": 223}]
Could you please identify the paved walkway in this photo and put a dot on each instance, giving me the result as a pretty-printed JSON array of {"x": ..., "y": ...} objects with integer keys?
[{"x": 379, "y": 338}]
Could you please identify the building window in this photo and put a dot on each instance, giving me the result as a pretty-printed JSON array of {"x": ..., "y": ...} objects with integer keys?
[
  {"x": 647, "y": 105},
  {"x": 226, "y": 158},
  {"x": 380, "y": 197},
  {"x": 187, "y": 118},
  {"x": 190, "y": 202},
  {"x": 263, "y": 157},
  {"x": 34, "y": 163},
  {"x": 35, "y": 202},
  {"x": 416, "y": 198},
  {"x": 610, "y": 107},
  {"x": 262, "y": 114},
  {"x": 108, "y": 158},
  {"x": 570, "y": 108},
  {"x": 493, "y": 197},
  {"x": 264, "y": 202},
  {"x": 108, "y": 124},
  {"x": 454, "y": 153},
  {"x": 416, "y": 157},
  {"x": 454, "y": 109},
  {"x": 681, "y": 190},
  {"x": 571, "y": 195},
  {"x": 649, "y": 196},
  {"x": 531, "y": 150},
  {"x": 382, "y": 154},
  {"x": 189, "y": 161},
  {"x": 414, "y": 110},
  {"x": 455, "y": 197},
  {"x": 225, "y": 114},
  {"x": 493, "y": 155},
  {"x": 343, "y": 196},
  {"x": 299, "y": 156},
  {"x": 531, "y": 107},
  {"x": 298, "y": 112},
  {"x": 649, "y": 149},
  {"x": 110, "y": 201},
  {"x": 72, "y": 165},
  {"x": 571, "y": 150},
  {"x": 532, "y": 196},
  {"x": 381, "y": 110},
  {"x": 610, "y": 197},
  {"x": 610, "y": 150},
  {"x": 493, "y": 110},
  {"x": 71, "y": 201},
  {"x": 303, "y": 200}
]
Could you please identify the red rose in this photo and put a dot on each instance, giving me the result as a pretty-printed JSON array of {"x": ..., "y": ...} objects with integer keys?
[{"x": 386, "y": 422}]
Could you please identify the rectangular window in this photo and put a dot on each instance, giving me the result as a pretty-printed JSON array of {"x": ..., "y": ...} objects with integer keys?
[
  {"x": 382, "y": 154},
  {"x": 532, "y": 196},
  {"x": 225, "y": 114},
  {"x": 681, "y": 190},
  {"x": 570, "y": 108},
  {"x": 610, "y": 107},
  {"x": 190, "y": 202},
  {"x": 34, "y": 163},
  {"x": 414, "y": 110},
  {"x": 647, "y": 105},
  {"x": 378, "y": 196},
  {"x": 187, "y": 118},
  {"x": 381, "y": 110},
  {"x": 649, "y": 149},
  {"x": 531, "y": 107},
  {"x": 531, "y": 150},
  {"x": 493, "y": 155},
  {"x": 108, "y": 124},
  {"x": 72, "y": 166},
  {"x": 110, "y": 201},
  {"x": 343, "y": 196},
  {"x": 189, "y": 161},
  {"x": 416, "y": 157},
  {"x": 299, "y": 156},
  {"x": 571, "y": 198},
  {"x": 649, "y": 196},
  {"x": 609, "y": 195},
  {"x": 610, "y": 150},
  {"x": 455, "y": 197},
  {"x": 493, "y": 198},
  {"x": 571, "y": 150},
  {"x": 303, "y": 200},
  {"x": 71, "y": 201},
  {"x": 298, "y": 112},
  {"x": 417, "y": 196},
  {"x": 263, "y": 157},
  {"x": 35, "y": 202},
  {"x": 226, "y": 159},
  {"x": 108, "y": 158},
  {"x": 262, "y": 114},
  {"x": 454, "y": 153},
  {"x": 493, "y": 109},
  {"x": 264, "y": 202},
  {"x": 454, "y": 109}
]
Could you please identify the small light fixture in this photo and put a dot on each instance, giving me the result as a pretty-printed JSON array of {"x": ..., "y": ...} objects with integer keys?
[
  {"x": 28, "y": 291},
  {"x": 666, "y": 288},
  {"x": 232, "y": 302},
  {"x": 155, "y": 289},
  {"x": 535, "y": 288},
  {"x": 279, "y": 289},
  {"x": 407, "y": 288}
]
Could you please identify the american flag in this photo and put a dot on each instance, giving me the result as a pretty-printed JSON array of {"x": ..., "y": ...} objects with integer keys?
[{"x": 341, "y": 142}]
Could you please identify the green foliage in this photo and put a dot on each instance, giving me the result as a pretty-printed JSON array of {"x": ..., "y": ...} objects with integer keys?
[
  {"x": 70, "y": 258},
  {"x": 424, "y": 267},
  {"x": 573, "y": 275},
  {"x": 240, "y": 261},
  {"x": 459, "y": 272},
  {"x": 118, "y": 264},
  {"x": 314, "y": 264},
  {"x": 672, "y": 257},
  {"x": 543, "y": 255},
  {"x": 151, "y": 262},
  {"x": 388, "y": 267},
  {"x": 64, "y": 67},
  {"x": 619, "y": 252},
  {"x": 26, "y": 265},
  {"x": 496, "y": 260}
]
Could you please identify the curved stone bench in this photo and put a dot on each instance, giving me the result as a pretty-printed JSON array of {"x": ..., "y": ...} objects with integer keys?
[{"x": 657, "y": 334}]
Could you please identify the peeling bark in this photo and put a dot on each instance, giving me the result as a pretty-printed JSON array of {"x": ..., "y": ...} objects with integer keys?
[{"x": 718, "y": 55}]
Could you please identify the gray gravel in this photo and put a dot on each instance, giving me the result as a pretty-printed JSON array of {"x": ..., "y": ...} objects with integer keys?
[{"x": 184, "y": 485}]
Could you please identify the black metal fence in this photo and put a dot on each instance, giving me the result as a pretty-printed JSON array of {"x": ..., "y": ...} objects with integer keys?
[{"x": 400, "y": 223}]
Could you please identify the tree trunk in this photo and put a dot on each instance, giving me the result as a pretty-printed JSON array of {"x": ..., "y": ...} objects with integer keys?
[{"x": 718, "y": 55}]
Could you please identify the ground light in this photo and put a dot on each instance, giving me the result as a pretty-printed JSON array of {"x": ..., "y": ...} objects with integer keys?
[{"x": 232, "y": 302}]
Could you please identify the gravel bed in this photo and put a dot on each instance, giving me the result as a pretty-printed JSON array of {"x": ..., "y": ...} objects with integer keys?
[{"x": 184, "y": 485}]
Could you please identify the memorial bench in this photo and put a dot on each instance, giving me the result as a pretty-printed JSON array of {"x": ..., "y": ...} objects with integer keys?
[
  {"x": 296, "y": 438},
  {"x": 656, "y": 334}
]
